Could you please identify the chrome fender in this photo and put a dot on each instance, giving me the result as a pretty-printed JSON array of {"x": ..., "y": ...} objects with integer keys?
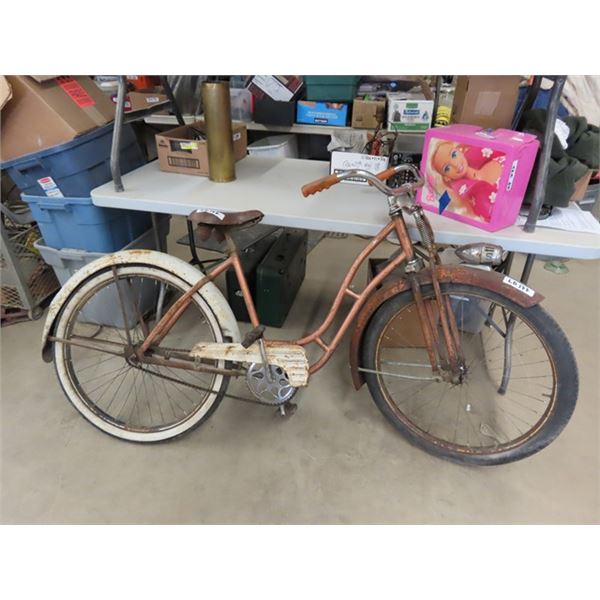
[{"x": 209, "y": 292}]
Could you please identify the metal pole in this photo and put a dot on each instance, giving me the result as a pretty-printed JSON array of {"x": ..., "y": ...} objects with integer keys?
[
  {"x": 166, "y": 86},
  {"x": 115, "y": 151},
  {"x": 542, "y": 173},
  {"x": 527, "y": 268}
]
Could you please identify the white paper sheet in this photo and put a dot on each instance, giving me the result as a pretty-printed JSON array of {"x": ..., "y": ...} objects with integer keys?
[{"x": 571, "y": 218}]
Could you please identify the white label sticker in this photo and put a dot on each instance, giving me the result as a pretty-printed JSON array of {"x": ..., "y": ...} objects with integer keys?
[
  {"x": 54, "y": 193},
  {"x": 211, "y": 211},
  {"x": 344, "y": 161},
  {"x": 511, "y": 177},
  {"x": 152, "y": 99},
  {"x": 47, "y": 183},
  {"x": 237, "y": 136},
  {"x": 518, "y": 285}
]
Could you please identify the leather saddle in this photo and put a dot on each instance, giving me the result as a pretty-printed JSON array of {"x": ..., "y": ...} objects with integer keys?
[{"x": 213, "y": 222}]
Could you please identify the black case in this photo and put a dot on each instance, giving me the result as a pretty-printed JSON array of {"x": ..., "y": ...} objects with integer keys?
[
  {"x": 273, "y": 112},
  {"x": 280, "y": 275}
]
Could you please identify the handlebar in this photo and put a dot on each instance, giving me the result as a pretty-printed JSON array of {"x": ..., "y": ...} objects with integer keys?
[{"x": 375, "y": 180}]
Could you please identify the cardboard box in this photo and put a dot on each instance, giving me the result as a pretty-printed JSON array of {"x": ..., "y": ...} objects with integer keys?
[
  {"x": 409, "y": 112},
  {"x": 277, "y": 87},
  {"x": 321, "y": 113},
  {"x": 368, "y": 114},
  {"x": 344, "y": 161},
  {"x": 50, "y": 112},
  {"x": 141, "y": 100},
  {"x": 486, "y": 101},
  {"x": 179, "y": 152}
]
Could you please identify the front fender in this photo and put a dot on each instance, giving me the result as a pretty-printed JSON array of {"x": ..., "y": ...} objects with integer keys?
[
  {"x": 489, "y": 280},
  {"x": 211, "y": 294}
]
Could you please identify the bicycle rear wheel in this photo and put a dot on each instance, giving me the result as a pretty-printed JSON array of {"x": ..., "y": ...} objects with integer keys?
[
  {"x": 476, "y": 421},
  {"x": 132, "y": 401}
]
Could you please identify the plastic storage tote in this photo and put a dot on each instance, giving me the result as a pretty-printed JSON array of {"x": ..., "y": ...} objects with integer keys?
[
  {"x": 76, "y": 167},
  {"x": 77, "y": 223},
  {"x": 331, "y": 88},
  {"x": 282, "y": 146},
  {"x": 104, "y": 309}
]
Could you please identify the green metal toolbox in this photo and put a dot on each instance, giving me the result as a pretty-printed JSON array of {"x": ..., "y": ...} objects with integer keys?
[
  {"x": 250, "y": 256},
  {"x": 279, "y": 276}
]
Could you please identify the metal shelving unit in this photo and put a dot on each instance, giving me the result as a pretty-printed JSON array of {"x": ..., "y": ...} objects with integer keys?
[
  {"x": 26, "y": 279},
  {"x": 541, "y": 174}
]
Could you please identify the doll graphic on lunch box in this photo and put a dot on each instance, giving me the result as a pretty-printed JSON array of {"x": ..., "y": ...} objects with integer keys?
[{"x": 476, "y": 176}]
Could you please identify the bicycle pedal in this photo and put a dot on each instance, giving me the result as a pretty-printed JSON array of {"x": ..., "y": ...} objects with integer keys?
[
  {"x": 287, "y": 410},
  {"x": 252, "y": 336}
]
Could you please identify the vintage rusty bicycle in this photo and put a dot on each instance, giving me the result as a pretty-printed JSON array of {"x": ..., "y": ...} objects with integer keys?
[{"x": 463, "y": 361}]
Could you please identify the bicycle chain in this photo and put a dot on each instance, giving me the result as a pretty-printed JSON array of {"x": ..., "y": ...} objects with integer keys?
[{"x": 203, "y": 389}]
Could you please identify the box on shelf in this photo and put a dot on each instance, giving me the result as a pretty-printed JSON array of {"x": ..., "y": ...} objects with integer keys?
[
  {"x": 277, "y": 87},
  {"x": 331, "y": 88},
  {"x": 368, "y": 114},
  {"x": 50, "y": 111},
  {"x": 344, "y": 161},
  {"x": 408, "y": 112},
  {"x": 475, "y": 175},
  {"x": 180, "y": 151},
  {"x": 274, "y": 112},
  {"x": 321, "y": 113},
  {"x": 488, "y": 101},
  {"x": 142, "y": 99}
]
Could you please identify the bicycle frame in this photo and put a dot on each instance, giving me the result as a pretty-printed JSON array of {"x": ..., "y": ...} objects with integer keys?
[{"x": 406, "y": 254}]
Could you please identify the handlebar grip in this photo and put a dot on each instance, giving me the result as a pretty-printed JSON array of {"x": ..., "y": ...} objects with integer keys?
[
  {"x": 386, "y": 174},
  {"x": 319, "y": 185}
]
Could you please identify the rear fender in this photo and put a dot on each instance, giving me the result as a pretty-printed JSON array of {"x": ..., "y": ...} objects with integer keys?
[
  {"x": 211, "y": 294},
  {"x": 489, "y": 280}
]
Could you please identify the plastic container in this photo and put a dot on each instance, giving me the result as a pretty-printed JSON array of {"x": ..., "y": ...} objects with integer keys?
[
  {"x": 76, "y": 223},
  {"x": 104, "y": 309},
  {"x": 76, "y": 167},
  {"x": 282, "y": 146},
  {"x": 331, "y": 88},
  {"x": 241, "y": 104}
]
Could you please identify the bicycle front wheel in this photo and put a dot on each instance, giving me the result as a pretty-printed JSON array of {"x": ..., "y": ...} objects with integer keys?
[
  {"x": 104, "y": 318},
  {"x": 518, "y": 392}
]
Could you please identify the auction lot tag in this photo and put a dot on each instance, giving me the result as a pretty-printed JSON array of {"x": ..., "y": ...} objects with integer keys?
[{"x": 518, "y": 285}]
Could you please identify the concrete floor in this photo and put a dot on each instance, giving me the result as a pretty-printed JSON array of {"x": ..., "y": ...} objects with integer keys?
[{"x": 335, "y": 461}]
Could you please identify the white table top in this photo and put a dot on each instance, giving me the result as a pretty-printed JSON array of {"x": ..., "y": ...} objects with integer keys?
[{"x": 272, "y": 186}]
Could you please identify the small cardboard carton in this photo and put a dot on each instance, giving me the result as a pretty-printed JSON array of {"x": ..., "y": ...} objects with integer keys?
[
  {"x": 409, "y": 113},
  {"x": 48, "y": 110},
  {"x": 185, "y": 150},
  {"x": 141, "y": 100},
  {"x": 488, "y": 101},
  {"x": 368, "y": 114},
  {"x": 321, "y": 113}
]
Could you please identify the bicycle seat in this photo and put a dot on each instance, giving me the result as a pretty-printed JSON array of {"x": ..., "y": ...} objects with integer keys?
[{"x": 209, "y": 221}]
